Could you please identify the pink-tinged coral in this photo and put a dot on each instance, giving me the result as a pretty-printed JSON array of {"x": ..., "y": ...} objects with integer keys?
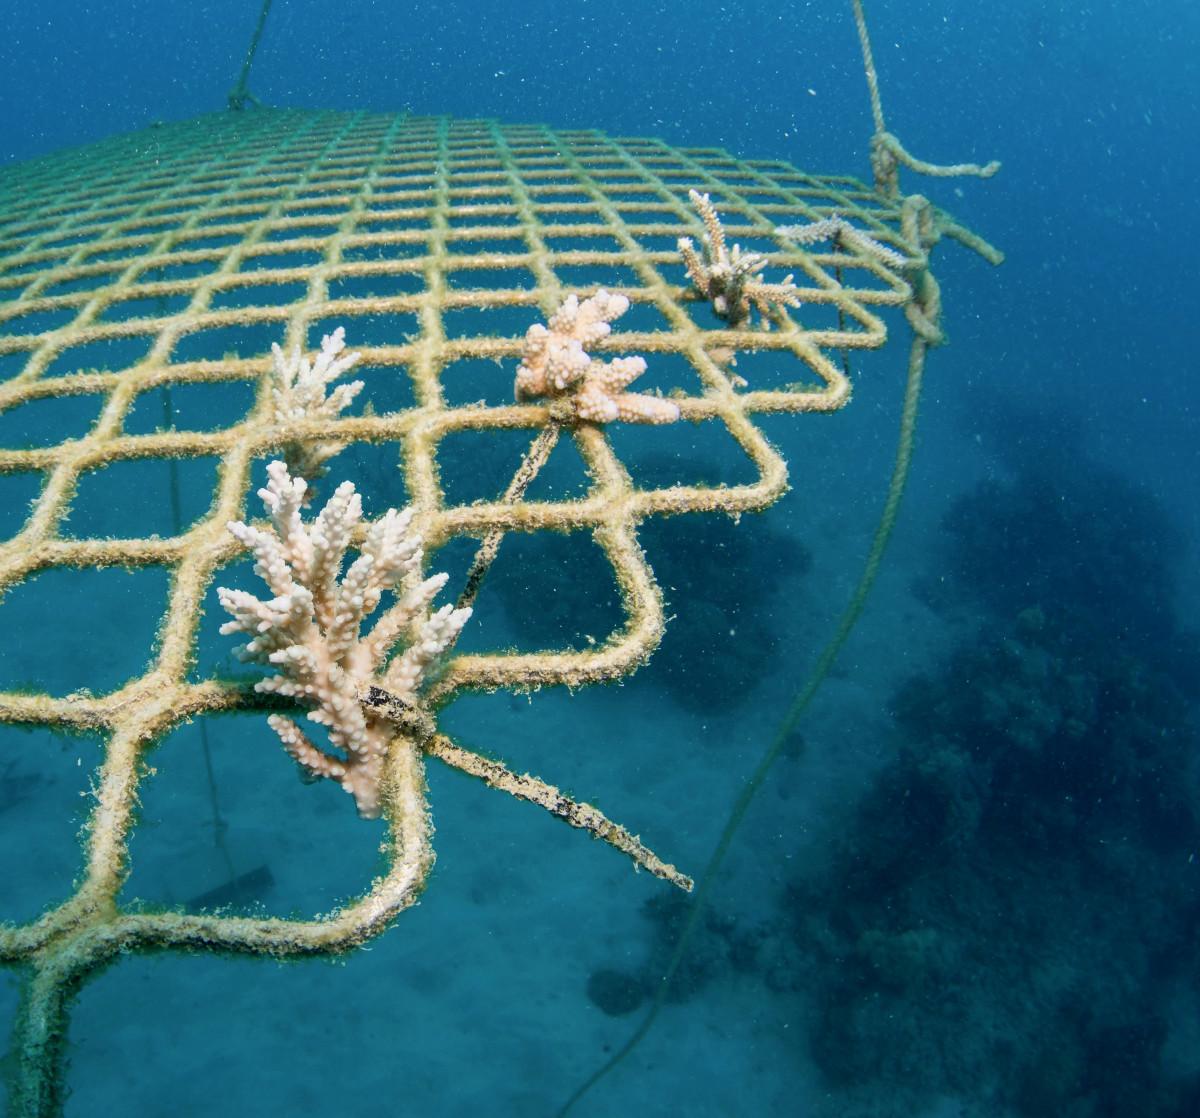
[
  {"x": 555, "y": 363},
  {"x": 310, "y": 631}
]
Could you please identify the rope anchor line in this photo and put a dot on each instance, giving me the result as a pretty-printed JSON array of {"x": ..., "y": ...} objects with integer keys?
[{"x": 240, "y": 96}]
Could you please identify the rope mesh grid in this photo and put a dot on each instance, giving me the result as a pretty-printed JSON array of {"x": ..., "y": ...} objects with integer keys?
[{"x": 137, "y": 247}]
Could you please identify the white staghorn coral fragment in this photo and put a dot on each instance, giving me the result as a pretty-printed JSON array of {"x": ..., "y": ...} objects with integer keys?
[
  {"x": 298, "y": 384},
  {"x": 731, "y": 278},
  {"x": 299, "y": 392},
  {"x": 310, "y": 631},
  {"x": 555, "y": 363},
  {"x": 837, "y": 229}
]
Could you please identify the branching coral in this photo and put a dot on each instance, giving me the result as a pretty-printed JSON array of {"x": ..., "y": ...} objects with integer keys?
[
  {"x": 837, "y": 229},
  {"x": 310, "y": 630},
  {"x": 299, "y": 392},
  {"x": 555, "y": 363},
  {"x": 728, "y": 277}
]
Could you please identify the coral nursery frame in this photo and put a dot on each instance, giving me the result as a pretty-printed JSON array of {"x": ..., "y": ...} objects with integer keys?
[{"x": 328, "y": 204}]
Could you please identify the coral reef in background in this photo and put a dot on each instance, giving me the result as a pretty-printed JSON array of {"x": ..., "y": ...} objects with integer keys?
[
  {"x": 1085, "y": 545},
  {"x": 555, "y": 363},
  {"x": 1008, "y": 917},
  {"x": 730, "y": 278},
  {"x": 310, "y": 631}
]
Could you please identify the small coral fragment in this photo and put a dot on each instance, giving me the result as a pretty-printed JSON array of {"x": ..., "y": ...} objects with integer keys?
[
  {"x": 837, "y": 229},
  {"x": 555, "y": 363},
  {"x": 299, "y": 392},
  {"x": 730, "y": 278}
]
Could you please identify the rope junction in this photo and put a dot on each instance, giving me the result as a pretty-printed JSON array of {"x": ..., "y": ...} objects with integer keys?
[{"x": 461, "y": 216}]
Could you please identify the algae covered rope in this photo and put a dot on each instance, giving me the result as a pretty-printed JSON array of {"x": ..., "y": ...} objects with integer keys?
[
  {"x": 534, "y": 459},
  {"x": 887, "y": 152},
  {"x": 240, "y": 96}
]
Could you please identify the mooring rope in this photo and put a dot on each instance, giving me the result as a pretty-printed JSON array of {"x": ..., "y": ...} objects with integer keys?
[
  {"x": 240, "y": 96},
  {"x": 887, "y": 152},
  {"x": 923, "y": 314}
]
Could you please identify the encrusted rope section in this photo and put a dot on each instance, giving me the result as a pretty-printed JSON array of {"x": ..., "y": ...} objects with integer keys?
[
  {"x": 887, "y": 152},
  {"x": 175, "y": 256},
  {"x": 240, "y": 96},
  {"x": 489, "y": 547},
  {"x": 584, "y": 816}
]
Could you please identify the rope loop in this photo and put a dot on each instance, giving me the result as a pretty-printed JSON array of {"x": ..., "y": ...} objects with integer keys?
[{"x": 887, "y": 153}]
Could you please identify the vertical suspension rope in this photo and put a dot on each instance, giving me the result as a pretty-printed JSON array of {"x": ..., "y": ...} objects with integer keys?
[
  {"x": 864, "y": 40},
  {"x": 923, "y": 315},
  {"x": 240, "y": 97},
  {"x": 887, "y": 152},
  {"x": 921, "y": 342}
]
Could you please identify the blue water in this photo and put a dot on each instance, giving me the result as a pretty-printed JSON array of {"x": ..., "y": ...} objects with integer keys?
[{"x": 969, "y": 886}]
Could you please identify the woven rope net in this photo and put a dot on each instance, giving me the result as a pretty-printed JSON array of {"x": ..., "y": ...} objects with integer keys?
[{"x": 127, "y": 266}]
